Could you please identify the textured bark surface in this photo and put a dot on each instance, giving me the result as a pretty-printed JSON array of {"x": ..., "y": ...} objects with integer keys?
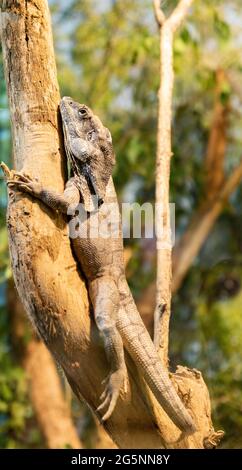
[
  {"x": 49, "y": 404},
  {"x": 45, "y": 273},
  {"x": 163, "y": 241}
]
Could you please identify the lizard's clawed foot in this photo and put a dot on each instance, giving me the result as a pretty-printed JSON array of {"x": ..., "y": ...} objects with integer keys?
[
  {"x": 21, "y": 181},
  {"x": 25, "y": 184},
  {"x": 111, "y": 393}
]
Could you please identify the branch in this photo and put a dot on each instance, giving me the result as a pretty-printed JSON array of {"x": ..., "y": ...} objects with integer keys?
[
  {"x": 159, "y": 15},
  {"x": 163, "y": 158},
  {"x": 178, "y": 15}
]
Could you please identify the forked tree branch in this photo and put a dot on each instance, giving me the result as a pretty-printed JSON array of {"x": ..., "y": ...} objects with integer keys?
[
  {"x": 177, "y": 16},
  {"x": 159, "y": 15},
  {"x": 179, "y": 13}
]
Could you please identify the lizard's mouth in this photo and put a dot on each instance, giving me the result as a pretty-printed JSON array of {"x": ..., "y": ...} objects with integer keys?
[{"x": 65, "y": 101}]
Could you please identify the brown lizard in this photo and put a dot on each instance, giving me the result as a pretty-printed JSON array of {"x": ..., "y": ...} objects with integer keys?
[{"x": 89, "y": 149}]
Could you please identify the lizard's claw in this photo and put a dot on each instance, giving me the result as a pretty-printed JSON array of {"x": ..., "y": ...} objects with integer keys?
[
  {"x": 20, "y": 181},
  {"x": 24, "y": 184},
  {"x": 111, "y": 393},
  {"x": 23, "y": 177}
]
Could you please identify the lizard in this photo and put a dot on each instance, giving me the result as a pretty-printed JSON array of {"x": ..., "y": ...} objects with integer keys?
[{"x": 89, "y": 150}]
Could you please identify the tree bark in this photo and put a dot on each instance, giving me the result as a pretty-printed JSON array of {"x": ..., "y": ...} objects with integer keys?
[
  {"x": 45, "y": 272},
  {"x": 50, "y": 407},
  {"x": 163, "y": 239}
]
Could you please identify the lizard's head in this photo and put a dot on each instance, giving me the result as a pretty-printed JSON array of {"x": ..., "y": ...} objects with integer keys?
[
  {"x": 88, "y": 147},
  {"x": 75, "y": 117}
]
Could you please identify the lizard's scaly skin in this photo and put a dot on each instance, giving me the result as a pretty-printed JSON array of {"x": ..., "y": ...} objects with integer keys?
[{"x": 90, "y": 153}]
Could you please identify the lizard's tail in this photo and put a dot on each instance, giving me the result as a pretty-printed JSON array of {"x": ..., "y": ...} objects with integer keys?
[{"x": 141, "y": 348}]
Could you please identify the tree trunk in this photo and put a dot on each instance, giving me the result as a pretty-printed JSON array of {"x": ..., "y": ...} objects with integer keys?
[
  {"x": 45, "y": 273},
  {"x": 167, "y": 29},
  {"x": 51, "y": 409}
]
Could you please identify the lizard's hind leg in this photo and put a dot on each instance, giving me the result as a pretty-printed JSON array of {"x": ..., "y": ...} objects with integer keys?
[{"x": 105, "y": 300}]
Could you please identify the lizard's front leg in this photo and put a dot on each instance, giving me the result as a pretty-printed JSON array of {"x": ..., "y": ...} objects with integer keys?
[
  {"x": 24, "y": 183},
  {"x": 105, "y": 300}
]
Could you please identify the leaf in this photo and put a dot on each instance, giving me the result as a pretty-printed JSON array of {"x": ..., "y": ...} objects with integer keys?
[
  {"x": 185, "y": 35},
  {"x": 221, "y": 28}
]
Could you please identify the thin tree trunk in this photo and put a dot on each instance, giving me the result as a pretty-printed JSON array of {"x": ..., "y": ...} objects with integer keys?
[
  {"x": 163, "y": 240},
  {"x": 45, "y": 273},
  {"x": 167, "y": 28},
  {"x": 51, "y": 409}
]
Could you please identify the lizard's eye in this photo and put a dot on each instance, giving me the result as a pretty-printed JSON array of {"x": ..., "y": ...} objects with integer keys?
[{"x": 82, "y": 112}]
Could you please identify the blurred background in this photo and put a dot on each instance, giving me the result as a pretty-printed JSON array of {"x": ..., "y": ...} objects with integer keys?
[{"x": 108, "y": 57}]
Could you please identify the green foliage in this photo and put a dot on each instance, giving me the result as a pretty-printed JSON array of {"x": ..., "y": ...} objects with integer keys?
[
  {"x": 5, "y": 271},
  {"x": 15, "y": 408},
  {"x": 221, "y": 326},
  {"x": 221, "y": 28}
]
